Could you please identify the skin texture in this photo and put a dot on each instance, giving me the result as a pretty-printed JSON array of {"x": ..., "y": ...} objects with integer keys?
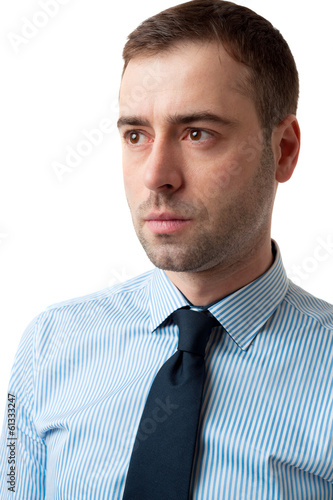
[{"x": 220, "y": 176}]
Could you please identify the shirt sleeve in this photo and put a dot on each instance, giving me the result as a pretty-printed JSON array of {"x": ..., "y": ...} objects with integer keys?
[{"x": 22, "y": 451}]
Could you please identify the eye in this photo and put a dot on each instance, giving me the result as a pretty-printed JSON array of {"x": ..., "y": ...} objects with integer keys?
[
  {"x": 134, "y": 137},
  {"x": 197, "y": 135}
]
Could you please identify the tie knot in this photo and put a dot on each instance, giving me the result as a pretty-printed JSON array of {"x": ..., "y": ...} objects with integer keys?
[{"x": 194, "y": 330}]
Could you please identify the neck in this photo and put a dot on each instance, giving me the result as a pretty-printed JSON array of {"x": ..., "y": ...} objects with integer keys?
[{"x": 205, "y": 287}]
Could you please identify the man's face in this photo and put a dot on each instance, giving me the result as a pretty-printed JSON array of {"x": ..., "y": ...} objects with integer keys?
[{"x": 199, "y": 181}]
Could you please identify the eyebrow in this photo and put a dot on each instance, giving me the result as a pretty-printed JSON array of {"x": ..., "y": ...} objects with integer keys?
[{"x": 177, "y": 119}]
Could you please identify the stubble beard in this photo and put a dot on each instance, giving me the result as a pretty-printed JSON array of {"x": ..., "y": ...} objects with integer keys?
[{"x": 237, "y": 231}]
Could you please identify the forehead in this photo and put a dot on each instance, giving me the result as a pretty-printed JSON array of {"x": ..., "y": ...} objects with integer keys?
[{"x": 189, "y": 75}]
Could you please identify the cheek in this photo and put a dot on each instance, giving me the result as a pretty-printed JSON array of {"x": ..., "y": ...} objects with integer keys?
[
  {"x": 223, "y": 177},
  {"x": 131, "y": 184},
  {"x": 135, "y": 191}
]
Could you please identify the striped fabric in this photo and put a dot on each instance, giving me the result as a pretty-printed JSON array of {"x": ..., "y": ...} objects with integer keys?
[{"x": 84, "y": 368}]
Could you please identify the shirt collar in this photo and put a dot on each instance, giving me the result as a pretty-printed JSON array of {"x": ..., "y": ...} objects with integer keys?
[
  {"x": 242, "y": 313},
  {"x": 165, "y": 298}
]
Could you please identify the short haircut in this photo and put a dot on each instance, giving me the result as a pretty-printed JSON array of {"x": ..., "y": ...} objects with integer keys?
[{"x": 250, "y": 39}]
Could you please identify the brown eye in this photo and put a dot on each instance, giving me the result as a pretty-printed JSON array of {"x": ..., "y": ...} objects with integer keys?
[
  {"x": 134, "y": 138},
  {"x": 195, "y": 135}
]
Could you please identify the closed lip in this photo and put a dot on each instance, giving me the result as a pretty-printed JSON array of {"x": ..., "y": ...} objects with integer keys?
[{"x": 165, "y": 216}]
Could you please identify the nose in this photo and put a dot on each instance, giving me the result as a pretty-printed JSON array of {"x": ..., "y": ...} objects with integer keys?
[{"x": 164, "y": 167}]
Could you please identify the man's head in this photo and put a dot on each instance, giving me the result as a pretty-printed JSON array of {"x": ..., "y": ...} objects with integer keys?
[
  {"x": 271, "y": 79},
  {"x": 204, "y": 141}
]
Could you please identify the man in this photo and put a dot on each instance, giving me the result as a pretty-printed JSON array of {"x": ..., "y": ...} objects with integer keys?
[{"x": 208, "y": 122}]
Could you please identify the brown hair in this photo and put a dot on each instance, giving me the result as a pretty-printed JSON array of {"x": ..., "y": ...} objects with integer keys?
[{"x": 248, "y": 38}]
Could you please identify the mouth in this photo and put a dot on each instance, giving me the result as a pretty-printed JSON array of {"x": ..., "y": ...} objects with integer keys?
[{"x": 166, "y": 223}]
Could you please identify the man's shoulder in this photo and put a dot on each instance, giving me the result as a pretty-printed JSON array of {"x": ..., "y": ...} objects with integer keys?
[
  {"x": 309, "y": 305},
  {"x": 106, "y": 295},
  {"x": 107, "y": 305}
]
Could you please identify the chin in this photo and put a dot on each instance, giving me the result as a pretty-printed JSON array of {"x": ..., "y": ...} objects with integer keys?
[{"x": 170, "y": 261}]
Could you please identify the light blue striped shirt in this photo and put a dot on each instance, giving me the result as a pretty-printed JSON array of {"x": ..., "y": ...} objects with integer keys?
[{"x": 84, "y": 368}]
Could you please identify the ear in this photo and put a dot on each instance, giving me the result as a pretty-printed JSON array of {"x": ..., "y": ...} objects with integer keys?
[{"x": 286, "y": 142}]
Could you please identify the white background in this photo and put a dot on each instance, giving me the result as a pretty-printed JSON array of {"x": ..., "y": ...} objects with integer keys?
[{"x": 60, "y": 240}]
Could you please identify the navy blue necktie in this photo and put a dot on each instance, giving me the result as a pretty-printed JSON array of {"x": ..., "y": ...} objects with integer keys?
[{"x": 161, "y": 461}]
